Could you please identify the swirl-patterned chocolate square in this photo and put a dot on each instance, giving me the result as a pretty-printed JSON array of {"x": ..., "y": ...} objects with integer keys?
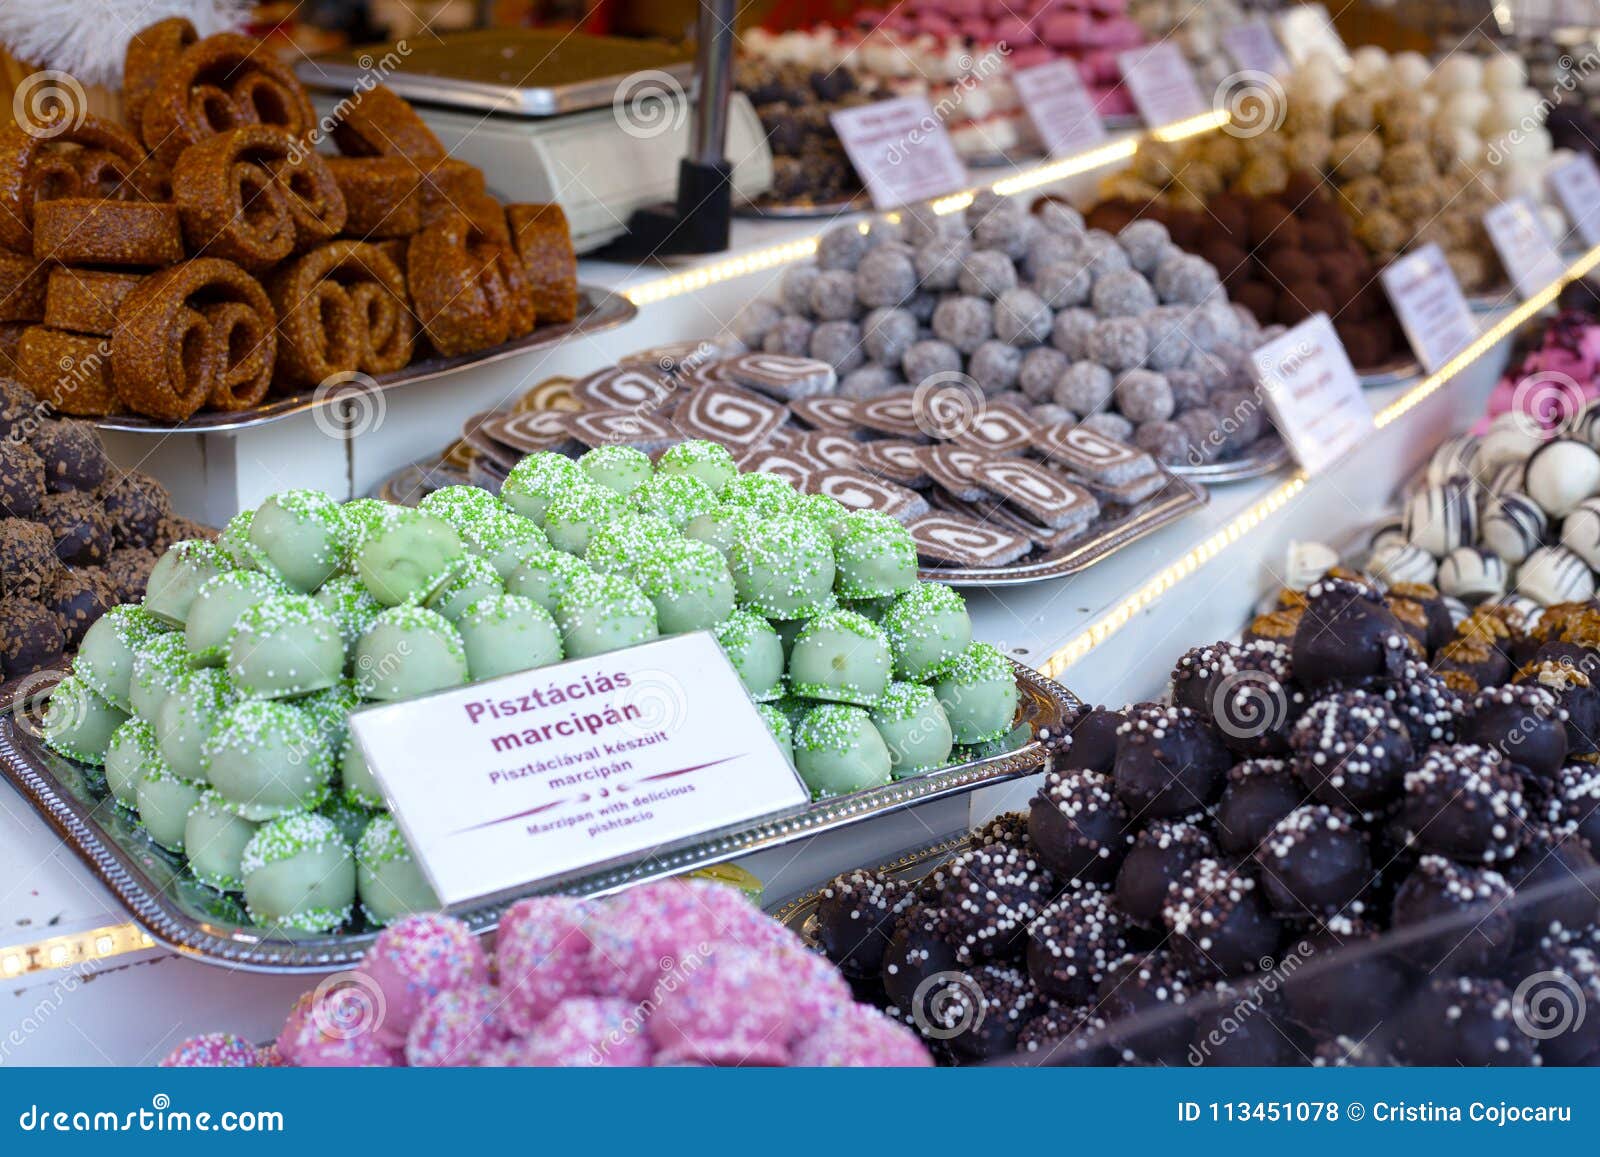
[
  {"x": 1087, "y": 453},
  {"x": 894, "y": 414},
  {"x": 1039, "y": 492},
  {"x": 621, "y": 428},
  {"x": 620, "y": 388},
  {"x": 779, "y": 375},
  {"x": 956, "y": 468},
  {"x": 527, "y": 433},
  {"x": 999, "y": 428},
  {"x": 895, "y": 460},
  {"x": 829, "y": 412},
  {"x": 961, "y": 541},
  {"x": 861, "y": 491},
  {"x": 719, "y": 412}
]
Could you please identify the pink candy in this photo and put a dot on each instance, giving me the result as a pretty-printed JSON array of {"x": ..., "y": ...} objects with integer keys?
[
  {"x": 321, "y": 1043},
  {"x": 734, "y": 1011},
  {"x": 214, "y": 1050},
  {"x": 591, "y": 1031},
  {"x": 861, "y": 1037},
  {"x": 457, "y": 1027},
  {"x": 544, "y": 956},
  {"x": 415, "y": 959},
  {"x": 651, "y": 931}
]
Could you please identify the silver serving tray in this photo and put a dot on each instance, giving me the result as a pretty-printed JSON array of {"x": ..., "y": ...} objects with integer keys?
[
  {"x": 1488, "y": 300},
  {"x": 762, "y": 209},
  {"x": 1178, "y": 498},
  {"x": 600, "y": 310},
  {"x": 1391, "y": 372},
  {"x": 800, "y": 913},
  {"x": 1267, "y": 456},
  {"x": 493, "y": 70},
  {"x": 189, "y": 918}
]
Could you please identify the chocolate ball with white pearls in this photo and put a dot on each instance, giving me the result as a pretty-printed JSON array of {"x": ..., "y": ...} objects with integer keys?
[
  {"x": 1081, "y": 829},
  {"x": 1463, "y": 1020},
  {"x": 1219, "y": 920},
  {"x": 1169, "y": 762},
  {"x": 992, "y": 1002},
  {"x": 990, "y": 896},
  {"x": 1524, "y": 723},
  {"x": 1148, "y": 984},
  {"x": 1351, "y": 750},
  {"x": 1550, "y": 861},
  {"x": 1465, "y": 802},
  {"x": 1073, "y": 942},
  {"x": 1353, "y": 984},
  {"x": 915, "y": 952},
  {"x": 1161, "y": 853},
  {"x": 1094, "y": 740},
  {"x": 856, "y": 914},
  {"x": 1345, "y": 633},
  {"x": 1314, "y": 862},
  {"x": 1478, "y": 928},
  {"x": 1258, "y": 793}
]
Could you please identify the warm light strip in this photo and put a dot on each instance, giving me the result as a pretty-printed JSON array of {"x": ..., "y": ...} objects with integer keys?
[
  {"x": 76, "y": 948},
  {"x": 1124, "y": 612},
  {"x": 678, "y": 284}
]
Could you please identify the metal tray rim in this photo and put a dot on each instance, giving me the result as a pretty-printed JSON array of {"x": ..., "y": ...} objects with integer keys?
[
  {"x": 605, "y": 310},
  {"x": 237, "y": 948},
  {"x": 795, "y": 912},
  {"x": 1239, "y": 469}
]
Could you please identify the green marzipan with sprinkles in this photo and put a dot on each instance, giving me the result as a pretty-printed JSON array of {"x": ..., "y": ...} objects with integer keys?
[
  {"x": 833, "y": 727},
  {"x": 382, "y": 844}
]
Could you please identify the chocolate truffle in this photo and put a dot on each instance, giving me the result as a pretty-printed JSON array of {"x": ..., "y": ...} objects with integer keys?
[
  {"x": 1241, "y": 1025},
  {"x": 1160, "y": 854},
  {"x": 27, "y": 558},
  {"x": 21, "y": 480},
  {"x": 1169, "y": 763},
  {"x": 855, "y": 917},
  {"x": 1472, "y": 909},
  {"x": 1079, "y": 826},
  {"x": 128, "y": 572},
  {"x": 1345, "y": 633},
  {"x": 1258, "y": 793},
  {"x": 1524, "y": 723},
  {"x": 980, "y": 1013},
  {"x": 1573, "y": 802},
  {"x": 1351, "y": 985},
  {"x": 915, "y": 952},
  {"x": 1424, "y": 703},
  {"x": 79, "y": 526},
  {"x": 1461, "y": 1020},
  {"x": 1094, "y": 740},
  {"x": 1551, "y": 1007},
  {"x": 1219, "y": 920},
  {"x": 77, "y": 598},
  {"x": 990, "y": 897},
  {"x": 1314, "y": 862},
  {"x": 1151, "y": 986},
  {"x": 30, "y": 637},
  {"x": 1072, "y": 943},
  {"x": 136, "y": 504},
  {"x": 1465, "y": 802},
  {"x": 72, "y": 455},
  {"x": 1351, "y": 750},
  {"x": 1554, "y": 876}
]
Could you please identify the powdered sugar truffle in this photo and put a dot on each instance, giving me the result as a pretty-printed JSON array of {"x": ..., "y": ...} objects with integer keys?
[
  {"x": 833, "y": 295},
  {"x": 965, "y": 322},
  {"x": 886, "y": 334},
  {"x": 1050, "y": 414},
  {"x": 1166, "y": 331},
  {"x": 1123, "y": 293},
  {"x": 987, "y": 273},
  {"x": 839, "y": 344},
  {"x": 1041, "y": 368},
  {"x": 841, "y": 247},
  {"x": 1005, "y": 228},
  {"x": 1063, "y": 283},
  {"x": 1215, "y": 328},
  {"x": 1021, "y": 318},
  {"x": 1070, "y": 333},
  {"x": 1165, "y": 441},
  {"x": 1103, "y": 254},
  {"x": 994, "y": 366},
  {"x": 1144, "y": 396},
  {"x": 1213, "y": 372},
  {"x": 754, "y": 320},
  {"x": 1084, "y": 387},
  {"x": 938, "y": 262},
  {"x": 926, "y": 358},
  {"x": 1188, "y": 390},
  {"x": 1145, "y": 242},
  {"x": 1059, "y": 217},
  {"x": 885, "y": 276},
  {"x": 791, "y": 336},
  {"x": 1109, "y": 425},
  {"x": 1186, "y": 280},
  {"x": 795, "y": 288},
  {"x": 1118, "y": 343},
  {"x": 869, "y": 382}
]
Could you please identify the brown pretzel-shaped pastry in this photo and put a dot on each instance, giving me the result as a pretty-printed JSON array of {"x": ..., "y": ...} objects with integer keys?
[
  {"x": 22, "y": 287},
  {"x": 242, "y": 196},
  {"x": 217, "y": 84},
  {"x": 86, "y": 300},
  {"x": 69, "y": 371},
  {"x": 381, "y": 195},
  {"x": 240, "y": 335},
  {"x": 446, "y": 185},
  {"x": 164, "y": 356},
  {"x": 341, "y": 307},
  {"x": 468, "y": 291},
  {"x": 105, "y": 174},
  {"x": 149, "y": 52},
  {"x": 544, "y": 242},
  {"x": 81, "y": 231},
  {"x": 377, "y": 123},
  {"x": 32, "y": 169}
]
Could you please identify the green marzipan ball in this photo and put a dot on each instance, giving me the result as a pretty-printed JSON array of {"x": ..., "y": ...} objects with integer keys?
[
  {"x": 507, "y": 633},
  {"x": 267, "y": 759},
  {"x": 407, "y": 559},
  {"x": 388, "y": 878},
  {"x": 164, "y": 803},
  {"x": 216, "y": 608},
  {"x": 283, "y": 646},
  {"x": 721, "y": 527},
  {"x": 78, "y": 723},
  {"x": 535, "y": 481},
  {"x": 689, "y": 584},
  {"x": 160, "y": 668},
  {"x": 360, "y": 785},
  {"x": 603, "y": 613},
  {"x": 840, "y": 656},
  {"x": 473, "y": 578},
  {"x": 178, "y": 576},
  {"x": 304, "y": 535},
  {"x": 409, "y": 651},
  {"x": 755, "y": 651},
  {"x": 874, "y": 556},
  {"x": 837, "y": 751},
  {"x": 576, "y": 513},
  {"x": 711, "y": 462},
  {"x": 783, "y": 568},
  {"x": 927, "y": 627},
  {"x": 299, "y": 874},
  {"x": 620, "y": 469},
  {"x": 131, "y": 753},
  {"x": 215, "y": 839},
  {"x": 544, "y": 578},
  {"x": 914, "y": 728},
  {"x": 105, "y": 656},
  {"x": 978, "y": 691},
  {"x": 189, "y": 716}
]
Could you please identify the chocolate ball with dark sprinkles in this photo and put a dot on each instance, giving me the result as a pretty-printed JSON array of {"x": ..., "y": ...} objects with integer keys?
[
  {"x": 983, "y": 1011},
  {"x": 72, "y": 455},
  {"x": 1169, "y": 762},
  {"x": 77, "y": 598},
  {"x": 1473, "y": 908},
  {"x": 1007, "y": 828},
  {"x": 1572, "y": 683},
  {"x": 1351, "y": 750},
  {"x": 1094, "y": 740},
  {"x": 30, "y": 637},
  {"x": 1066, "y": 1037},
  {"x": 1465, "y": 802},
  {"x": 1151, "y": 986},
  {"x": 1556, "y": 878},
  {"x": 21, "y": 480},
  {"x": 1564, "y": 1037},
  {"x": 1073, "y": 941},
  {"x": 856, "y": 914},
  {"x": 1258, "y": 793},
  {"x": 81, "y": 530},
  {"x": 1160, "y": 854},
  {"x": 1219, "y": 920},
  {"x": 916, "y": 951},
  {"x": 1424, "y": 703},
  {"x": 1314, "y": 862},
  {"x": 1345, "y": 982},
  {"x": 1242, "y": 1024},
  {"x": 27, "y": 558},
  {"x": 1345, "y": 632},
  {"x": 1522, "y": 721},
  {"x": 1079, "y": 826},
  {"x": 991, "y": 895},
  {"x": 1463, "y": 1020},
  {"x": 136, "y": 504}
]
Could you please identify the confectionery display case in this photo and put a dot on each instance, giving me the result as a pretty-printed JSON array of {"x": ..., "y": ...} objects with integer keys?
[{"x": 1049, "y": 581}]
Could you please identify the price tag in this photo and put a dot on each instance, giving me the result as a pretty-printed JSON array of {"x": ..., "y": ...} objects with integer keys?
[
  {"x": 1313, "y": 393},
  {"x": 1162, "y": 84},
  {"x": 1308, "y": 29},
  {"x": 1060, "y": 107},
  {"x": 1428, "y": 301},
  {"x": 1577, "y": 186},
  {"x": 1524, "y": 246},
  {"x": 538, "y": 775},
  {"x": 1253, "y": 47},
  {"x": 900, "y": 150}
]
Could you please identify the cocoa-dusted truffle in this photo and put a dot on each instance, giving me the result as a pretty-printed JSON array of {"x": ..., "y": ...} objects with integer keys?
[
  {"x": 81, "y": 531},
  {"x": 30, "y": 637},
  {"x": 1351, "y": 750},
  {"x": 1219, "y": 920},
  {"x": 1469, "y": 664},
  {"x": 128, "y": 571},
  {"x": 1169, "y": 763},
  {"x": 855, "y": 917},
  {"x": 990, "y": 897},
  {"x": 136, "y": 504},
  {"x": 27, "y": 558},
  {"x": 1155, "y": 986},
  {"x": 21, "y": 480},
  {"x": 77, "y": 598},
  {"x": 1465, "y": 802},
  {"x": 1079, "y": 826},
  {"x": 1258, "y": 793},
  {"x": 72, "y": 455},
  {"x": 1522, "y": 722},
  {"x": 1473, "y": 910},
  {"x": 1161, "y": 853},
  {"x": 1072, "y": 943},
  {"x": 1314, "y": 862},
  {"x": 1463, "y": 1020}
]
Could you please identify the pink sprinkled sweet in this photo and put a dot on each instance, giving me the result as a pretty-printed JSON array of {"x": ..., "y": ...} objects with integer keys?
[
  {"x": 214, "y": 1050},
  {"x": 734, "y": 1010},
  {"x": 648, "y": 932},
  {"x": 270, "y": 1058},
  {"x": 543, "y": 956},
  {"x": 323, "y": 1041},
  {"x": 293, "y": 1026},
  {"x": 415, "y": 959},
  {"x": 861, "y": 1037},
  {"x": 591, "y": 1031},
  {"x": 457, "y": 1027},
  {"x": 509, "y": 1054},
  {"x": 817, "y": 991}
]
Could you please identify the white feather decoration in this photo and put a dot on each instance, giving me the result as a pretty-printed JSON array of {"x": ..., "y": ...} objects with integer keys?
[{"x": 88, "y": 38}]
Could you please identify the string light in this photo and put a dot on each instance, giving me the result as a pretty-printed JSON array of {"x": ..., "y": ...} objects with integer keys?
[{"x": 76, "y": 948}]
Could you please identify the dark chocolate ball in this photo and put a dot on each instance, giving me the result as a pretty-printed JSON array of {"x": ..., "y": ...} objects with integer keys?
[
  {"x": 1344, "y": 633},
  {"x": 128, "y": 571},
  {"x": 856, "y": 914},
  {"x": 1556, "y": 878},
  {"x": 1314, "y": 862},
  {"x": 1219, "y": 920},
  {"x": 1351, "y": 750},
  {"x": 77, "y": 598},
  {"x": 1522, "y": 721},
  {"x": 980, "y": 1013},
  {"x": 136, "y": 504},
  {"x": 1094, "y": 740},
  {"x": 81, "y": 530},
  {"x": 990, "y": 897},
  {"x": 1258, "y": 793},
  {"x": 72, "y": 455},
  {"x": 1345, "y": 981},
  {"x": 1009, "y": 828},
  {"x": 1573, "y": 803},
  {"x": 1153, "y": 988},
  {"x": 1468, "y": 911},
  {"x": 21, "y": 480},
  {"x": 1424, "y": 702},
  {"x": 1255, "y": 702},
  {"x": 27, "y": 558},
  {"x": 1574, "y": 689},
  {"x": 30, "y": 637},
  {"x": 1242, "y": 1024},
  {"x": 1079, "y": 826},
  {"x": 1169, "y": 763},
  {"x": 1463, "y": 1020},
  {"x": 1196, "y": 674},
  {"x": 1075, "y": 939},
  {"x": 1556, "y": 990},
  {"x": 1160, "y": 854},
  {"x": 1465, "y": 802},
  {"x": 916, "y": 951},
  {"x": 1074, "y": 1038}
]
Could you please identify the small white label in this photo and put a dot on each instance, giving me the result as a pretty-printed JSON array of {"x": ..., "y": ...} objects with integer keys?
[
  {"x": 542, "y": 774},
  {"x": 1060, "y": 107},
  {"x": 1313, "y": 393},
  {"x": 1524, "y": 246},
  {"x": 1162, "y": 84},
  {"x": 901, "y": 151},
  {"x": 1577, "y": 186},
  {"x": 1254, "y": 47},
  {"x": 1432, "y": 310},
  {"x": 1307, "y": 29}
]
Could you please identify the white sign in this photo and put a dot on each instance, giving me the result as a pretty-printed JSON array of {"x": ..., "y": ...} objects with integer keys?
[
  {"x": 900, "y": 150},
  {"x": 1577, "y": 187},
  {"x": 1060, "y": 107},
  {"x": 1254, "y": 47},
  {"x": 1308, "y": 29},
  {"x": 1432, "y": 309},
  {"x": 1162, "y": 84},
  {"x": 1524, "y": 246},
  {"x": 1313, "y": 392},
  {"x": 541, "y": 774}
]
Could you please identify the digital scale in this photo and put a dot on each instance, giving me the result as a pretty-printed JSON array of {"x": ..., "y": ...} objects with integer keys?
[{"x": 601, "y": 125}]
